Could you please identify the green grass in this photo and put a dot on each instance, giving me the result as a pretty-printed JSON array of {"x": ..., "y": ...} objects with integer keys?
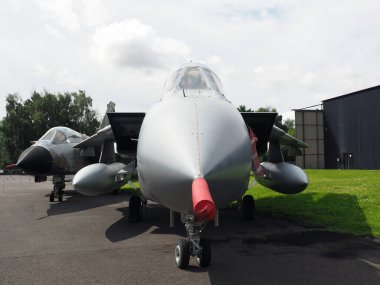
[{"x": 346, "y": 201}]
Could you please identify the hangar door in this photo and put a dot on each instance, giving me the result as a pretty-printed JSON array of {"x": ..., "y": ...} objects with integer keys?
[{"x": 309, "y": 128}]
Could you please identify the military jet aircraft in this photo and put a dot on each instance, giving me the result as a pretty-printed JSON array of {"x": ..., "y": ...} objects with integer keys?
[
  {"x": 195, "y": 152},
  {"x": 53, "y": 154}
]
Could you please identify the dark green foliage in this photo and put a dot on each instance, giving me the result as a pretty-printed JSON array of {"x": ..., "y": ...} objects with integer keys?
[
  {"x": 3, "y": 152},
  {"x": 289, "y": 123},
  {"x": 29, "y": 120},
  {"x": 243, "y": 108}
]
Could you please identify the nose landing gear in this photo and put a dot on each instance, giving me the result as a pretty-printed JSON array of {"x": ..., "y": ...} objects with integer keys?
[
  {"x": 59, "y": 185},
  {"x": 194, "y": 245}
]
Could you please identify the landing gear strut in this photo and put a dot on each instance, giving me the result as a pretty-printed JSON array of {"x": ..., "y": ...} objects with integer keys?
[
  {"x": 59, "y": 185},
  {"x": 194, "y": 245}
]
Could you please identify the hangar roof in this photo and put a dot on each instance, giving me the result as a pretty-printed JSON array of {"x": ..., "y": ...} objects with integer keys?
[{"x": 353, "y": 93}]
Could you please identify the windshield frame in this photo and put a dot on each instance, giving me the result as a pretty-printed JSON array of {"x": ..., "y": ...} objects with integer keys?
[
  {"x": 211, "y": 80},
  {"x": 60, "y": 135}
]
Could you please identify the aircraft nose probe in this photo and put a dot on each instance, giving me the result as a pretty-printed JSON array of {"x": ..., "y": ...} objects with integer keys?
[{"x": 203, "y": 204}]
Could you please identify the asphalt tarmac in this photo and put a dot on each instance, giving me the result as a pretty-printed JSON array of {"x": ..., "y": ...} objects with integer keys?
[{"x": 87, "y": 240}]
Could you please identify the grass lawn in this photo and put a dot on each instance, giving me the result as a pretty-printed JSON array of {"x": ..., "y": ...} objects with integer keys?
[{"x": 346, "y": 201}]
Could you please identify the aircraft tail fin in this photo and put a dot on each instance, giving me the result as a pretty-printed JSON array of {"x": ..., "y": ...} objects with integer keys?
[
  {"x": 108, "y": 152},
  {"x": 105, "y": 121}
]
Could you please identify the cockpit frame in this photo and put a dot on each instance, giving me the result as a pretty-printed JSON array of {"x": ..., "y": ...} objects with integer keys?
[
  {"x": 194, "y": 77},
  {"x": 60, "y": 135}
]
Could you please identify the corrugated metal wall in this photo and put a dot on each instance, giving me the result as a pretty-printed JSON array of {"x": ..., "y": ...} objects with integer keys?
[
  {"x": 352, "y": 130},
  {"x": 309, "y": 128}
]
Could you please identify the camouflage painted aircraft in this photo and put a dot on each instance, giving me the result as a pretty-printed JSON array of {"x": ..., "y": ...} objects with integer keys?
[
  {"x": 53, "y": 154},
  {"x": 194, "y": 153}
]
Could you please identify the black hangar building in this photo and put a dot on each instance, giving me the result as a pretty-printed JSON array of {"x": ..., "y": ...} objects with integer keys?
[{"x": 342, "y": 132}]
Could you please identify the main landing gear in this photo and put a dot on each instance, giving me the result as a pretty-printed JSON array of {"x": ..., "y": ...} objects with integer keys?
[
  {"x": 59, "y": 185},
  {"x": 248, "y": 207},
  {"x": 137, "y": 207},
  {"x": 194, "y": 245}
]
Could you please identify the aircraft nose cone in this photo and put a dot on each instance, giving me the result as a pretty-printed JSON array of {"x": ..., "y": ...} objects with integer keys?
[{"x": 35, "y": 159}]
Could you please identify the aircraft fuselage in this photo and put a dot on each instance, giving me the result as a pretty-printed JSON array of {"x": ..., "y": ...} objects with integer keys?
[{"x": 189, "y": 135}]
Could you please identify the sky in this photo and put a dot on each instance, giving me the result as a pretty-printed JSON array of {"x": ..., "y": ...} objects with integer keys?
[{"x": 284, "y": 54}]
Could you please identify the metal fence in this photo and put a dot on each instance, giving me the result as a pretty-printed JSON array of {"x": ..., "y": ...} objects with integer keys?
[{"x": 14, "y": 182}]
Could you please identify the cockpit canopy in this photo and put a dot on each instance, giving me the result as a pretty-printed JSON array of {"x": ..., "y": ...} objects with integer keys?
[
  {"x": 60, "y": 135},
  {"x": 193, "y": 77}
]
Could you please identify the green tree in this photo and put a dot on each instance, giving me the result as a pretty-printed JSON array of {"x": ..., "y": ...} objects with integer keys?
[
  {"x": 29, "y": 120},
  {"x": 278, "y": 120},
  {"x": 3, "y": 152},
  {"x": 243, "y": 108},
  {"x": 289, "y": 123}
]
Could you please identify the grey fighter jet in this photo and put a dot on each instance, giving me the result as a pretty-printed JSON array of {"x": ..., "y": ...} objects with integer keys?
[
  {"x": 53, "y": 154},
  {"x": 195, "y": 152}
]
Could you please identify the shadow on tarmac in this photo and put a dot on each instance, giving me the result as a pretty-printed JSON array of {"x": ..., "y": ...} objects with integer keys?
[
  {"x": 74, "y": 202},
  {"x": 155, "y": 216}
]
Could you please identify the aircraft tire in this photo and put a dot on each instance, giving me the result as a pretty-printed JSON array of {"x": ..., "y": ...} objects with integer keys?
[
  {"x": 182, "y": 254},
  {"x": 204, "y": 259},
  {"x": 60, "y": 197},
  {"x": 248, "y": 208},
  {"x": 51, "y": 197},
  {"x": 134, "y": 209}
]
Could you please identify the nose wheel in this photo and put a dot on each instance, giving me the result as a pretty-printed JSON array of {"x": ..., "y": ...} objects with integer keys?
[
  {"x": 182, "y": 253},
  {"x": 204, "y": 257},
  {"x": 194, "y": 245}
]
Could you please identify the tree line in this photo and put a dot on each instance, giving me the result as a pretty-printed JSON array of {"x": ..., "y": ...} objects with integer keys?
[{"x": 28, "y": 120}]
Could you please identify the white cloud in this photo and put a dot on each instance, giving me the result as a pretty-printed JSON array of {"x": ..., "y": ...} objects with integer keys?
[
  {"x": 53, "y": 31},
  {"x": 133, "y": 44},
  {"x": 66, "y": 79},
  {"x": 61, "y": 12},
  {"x": 15, "y": 4},
  {"x": 308, "y": 79},
  {"x": 93, "y": 13},
  {"x": 72, "y": 15},
  {"x": 289, "y": 54},
  {"x": 40, "y": 70}
]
